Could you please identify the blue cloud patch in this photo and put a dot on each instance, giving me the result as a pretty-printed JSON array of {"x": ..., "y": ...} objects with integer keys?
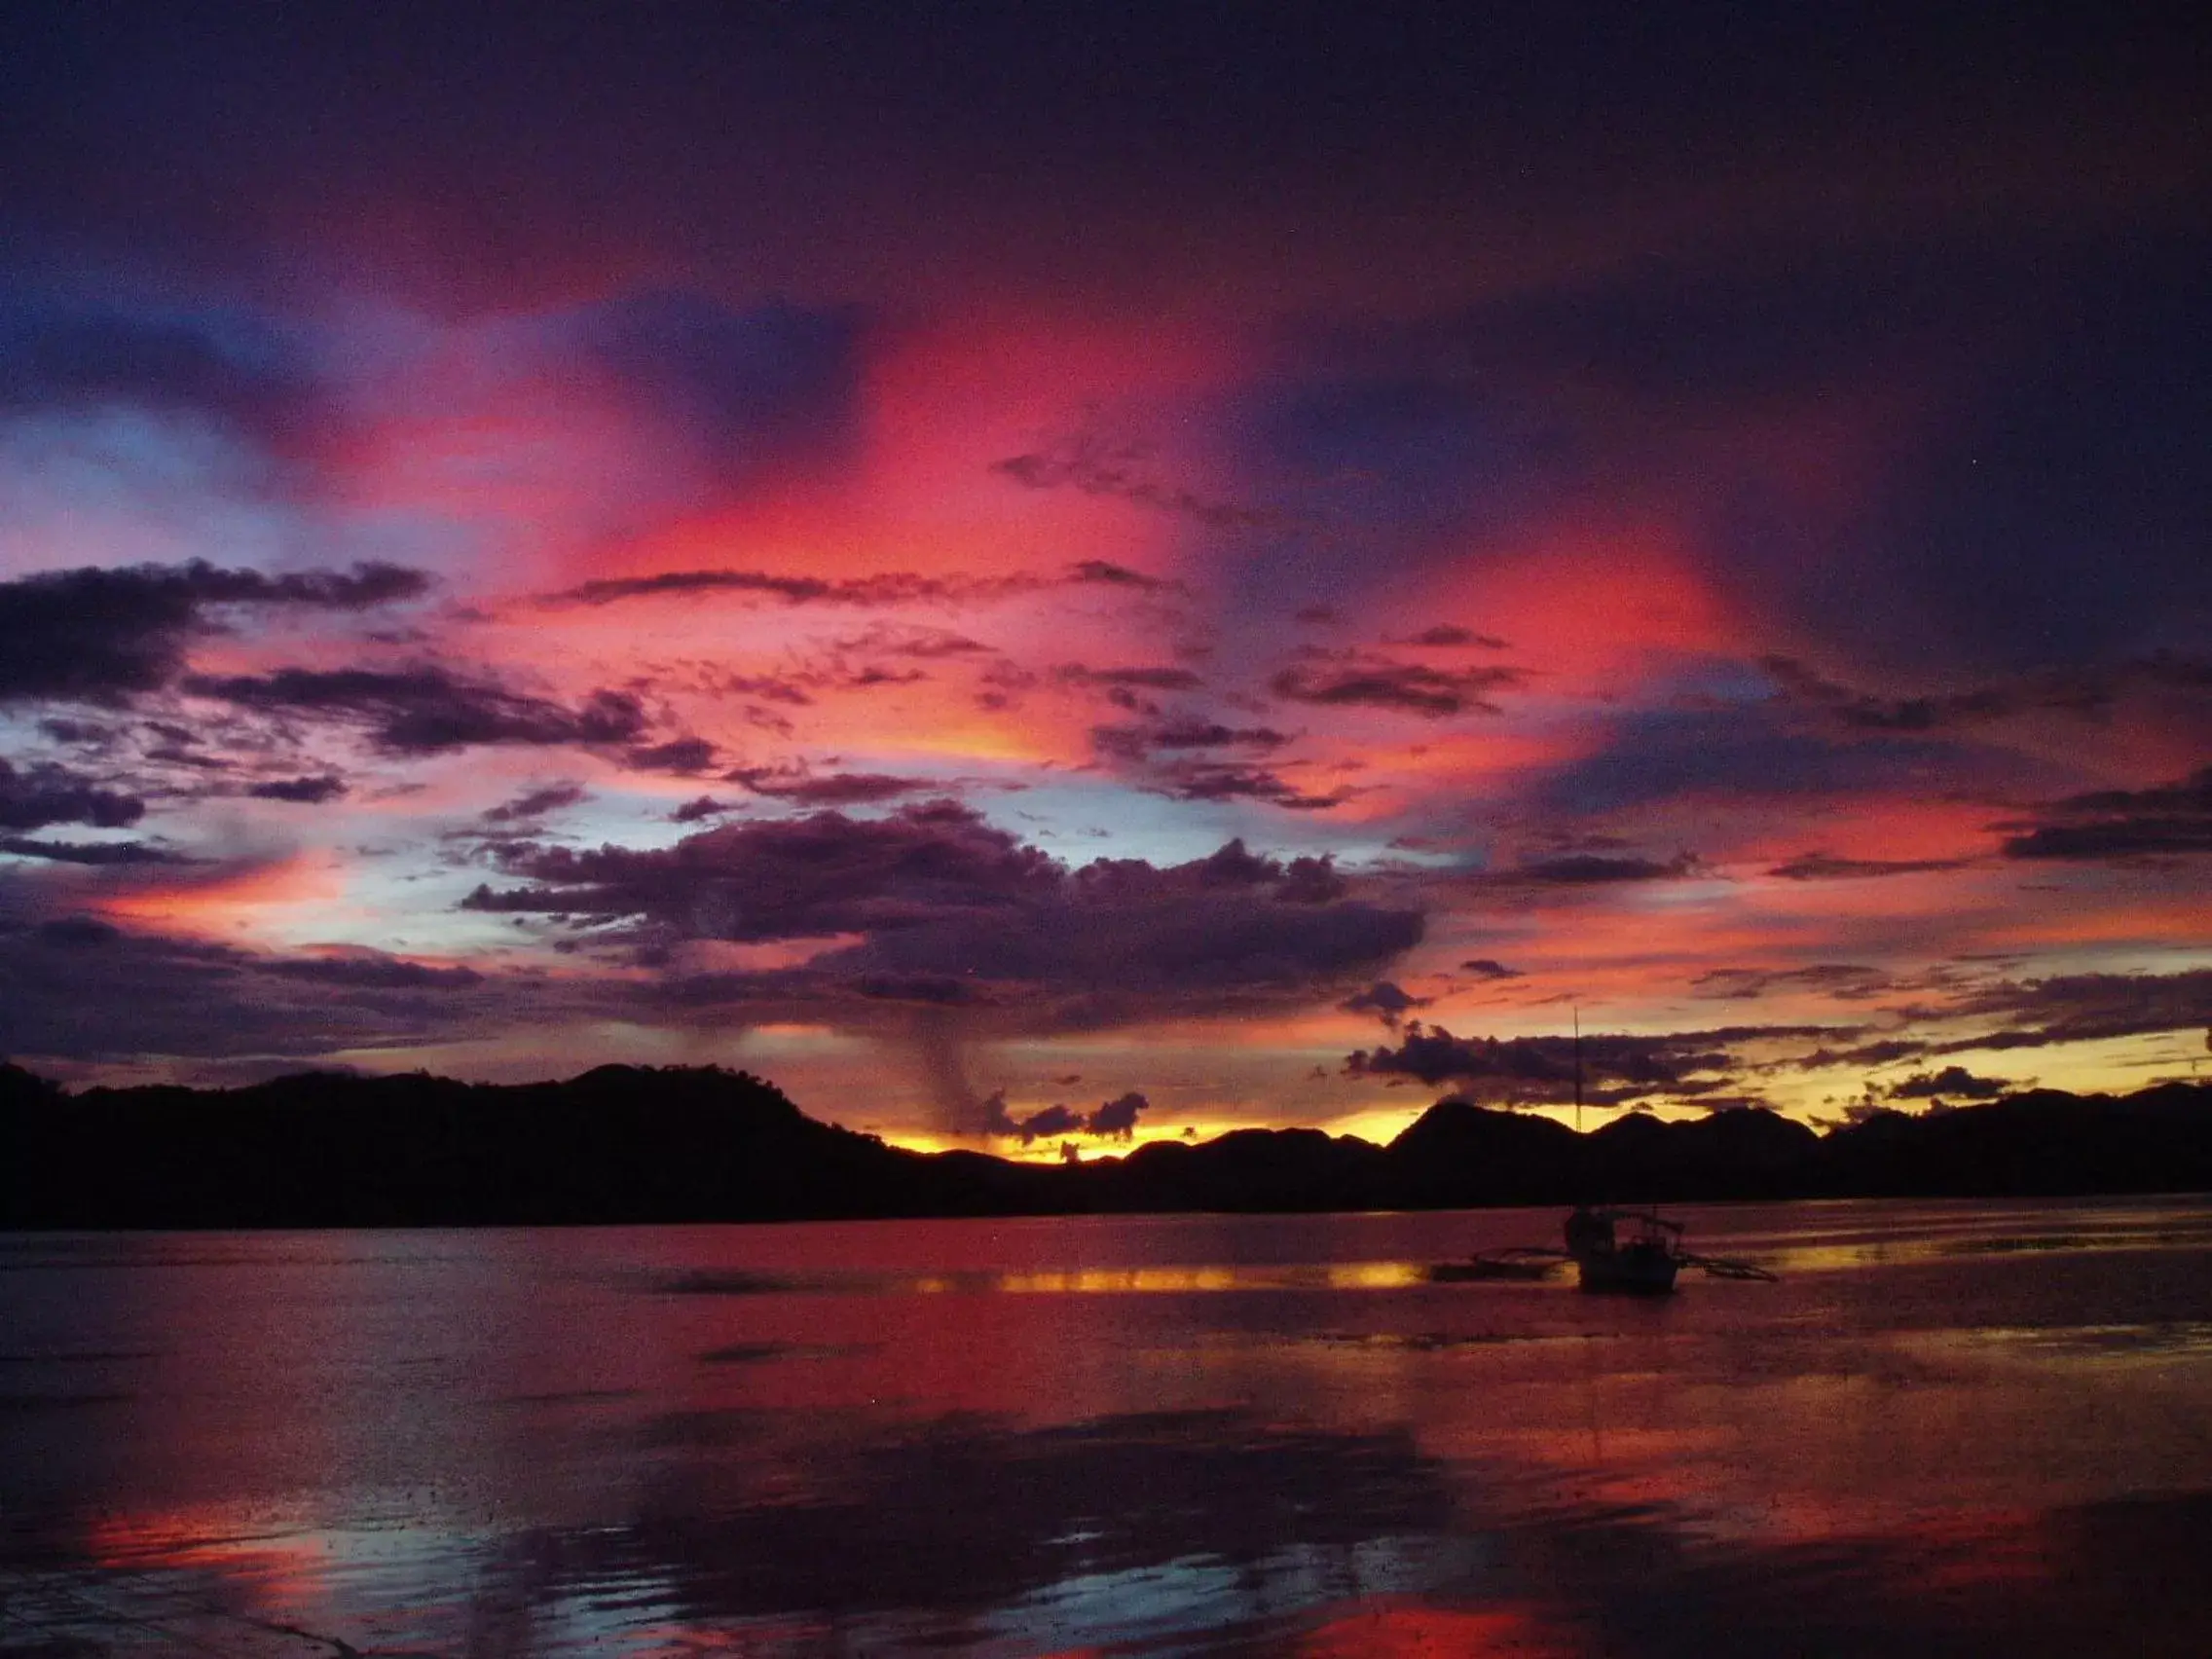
[
  {"x": 1660, "y": 754},
  {"x": 226, "y": 365},
  {"x": 778, "y": 383}
]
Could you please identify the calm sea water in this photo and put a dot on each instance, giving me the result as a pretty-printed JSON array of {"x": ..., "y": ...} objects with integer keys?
[{"x": 1950, "y": 1428}]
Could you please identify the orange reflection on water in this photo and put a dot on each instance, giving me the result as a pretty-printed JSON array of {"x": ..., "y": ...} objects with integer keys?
[
  {"x": 284, "y": 1567},
  {"x": 1127, "y": 1281},
  {"x": 1112, "y": 1281}
]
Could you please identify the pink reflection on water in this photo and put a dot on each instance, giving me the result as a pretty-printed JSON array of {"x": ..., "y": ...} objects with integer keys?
[{"x": 1020, "y": 1438}]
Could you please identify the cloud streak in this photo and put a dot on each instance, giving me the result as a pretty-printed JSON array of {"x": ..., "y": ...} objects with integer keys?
[
  {"x": 426, "y": 710},
  {"x": 888, "y": 590},
  {"x": 99, "y": 636}
]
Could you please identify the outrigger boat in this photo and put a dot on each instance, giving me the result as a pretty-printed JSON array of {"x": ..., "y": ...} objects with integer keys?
[
  {"x": 1513, "y": 1262},
  {"x": 1641, "y": 1260},
  {"x": 1625, "y": 1250}
]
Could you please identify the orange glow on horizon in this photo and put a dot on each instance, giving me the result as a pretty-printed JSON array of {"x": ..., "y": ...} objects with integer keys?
[{"x": 227, "y": 904}]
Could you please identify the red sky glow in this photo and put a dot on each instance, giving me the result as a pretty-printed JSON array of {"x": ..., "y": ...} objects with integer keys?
[{"x": 970, "y": 592}]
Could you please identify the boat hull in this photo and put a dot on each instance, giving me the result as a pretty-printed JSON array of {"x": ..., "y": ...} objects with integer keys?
[{"x": 1627, "y": 1273}]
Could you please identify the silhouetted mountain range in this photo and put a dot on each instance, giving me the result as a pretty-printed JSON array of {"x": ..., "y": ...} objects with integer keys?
[{"x": 631, "y": 1144}]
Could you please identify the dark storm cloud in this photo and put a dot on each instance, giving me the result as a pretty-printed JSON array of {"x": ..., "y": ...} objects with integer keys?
[
  {"x": 803, "y": 877},
  {"x": 305, "y": 791},
  {"x": 99, "y": 635},
  {"x": 35, "y": 797},
  {"x": 427, "y": 710},
  {"x": 943, "y": 898},
  {"x": 1954, "y": 1082},
  {"x": 1377, "y": 682},
  {"x": 775, "y": 384},
  {"x": 1543, "y": 1069},
  {"x": 2113, "y": 823}
]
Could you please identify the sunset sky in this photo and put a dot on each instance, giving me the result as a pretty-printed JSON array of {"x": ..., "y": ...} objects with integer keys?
[{"x": 1065, "y": 575}]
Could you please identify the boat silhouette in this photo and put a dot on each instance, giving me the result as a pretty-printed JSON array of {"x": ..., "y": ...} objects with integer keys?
[
  {"x": 1635, "y": 1251},
  {"x": 1622, "y": 1249}
]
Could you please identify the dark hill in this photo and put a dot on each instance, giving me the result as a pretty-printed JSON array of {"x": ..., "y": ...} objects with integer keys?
[
  {"x": 618, "y": 1143},
  {"x": 1251, "y": 1169},
  {"x": 2041, "y": 1143},
  {"x": 639, "y": 1144},
  {"x": 1456, "y": 1155}
]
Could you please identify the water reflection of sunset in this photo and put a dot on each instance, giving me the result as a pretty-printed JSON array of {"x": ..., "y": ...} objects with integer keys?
[
  {"x": 1383, "y": 1629},
  {"x": 266, "y": 1552},
  {"x": 1036, "y": 1436}
]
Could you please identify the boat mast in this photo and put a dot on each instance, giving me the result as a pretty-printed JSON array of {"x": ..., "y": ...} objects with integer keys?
[{"x": 1577, "y": 1014}]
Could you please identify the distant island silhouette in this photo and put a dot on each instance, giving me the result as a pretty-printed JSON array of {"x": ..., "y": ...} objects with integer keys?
[{"x": 626, "y": 1144}]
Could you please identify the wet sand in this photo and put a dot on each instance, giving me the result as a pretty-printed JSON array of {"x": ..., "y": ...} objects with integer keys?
[{"x": 1950, "y": 1428}]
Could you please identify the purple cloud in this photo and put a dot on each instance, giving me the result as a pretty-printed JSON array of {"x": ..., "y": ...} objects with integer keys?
[
  {"x": 38, "y": 795},
  {"x": 305, "y": 791},
  {"x": 946, "y": 904},
  {"x": 102, "y": 635},
  {"x": 428, "y": 710},
  {"x": 1408, "y": 687},
  {"x": 2113, "y": 823},
  {"x": 536, "y": 803},
  {"x": 835, "y": 789}
]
